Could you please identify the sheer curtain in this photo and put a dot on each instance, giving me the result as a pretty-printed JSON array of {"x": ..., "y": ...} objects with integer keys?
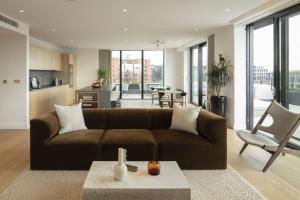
[{"x": 105, "y": 62}]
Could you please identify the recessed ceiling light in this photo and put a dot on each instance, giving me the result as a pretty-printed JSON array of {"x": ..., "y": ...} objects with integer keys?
[
  {"x": 53, "y": 30},
  {"x": 196, "y": 29},
  {"x": 124, "y": 10},
  {"x": 227, "y": 10},
  {"x": 71, "y": 40},
  {"x": 21, "y": 11},
  {"x": 125, "y": 29}
]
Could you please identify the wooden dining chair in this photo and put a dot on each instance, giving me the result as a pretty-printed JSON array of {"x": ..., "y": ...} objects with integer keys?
[
  {"x": 154, "y": 94},
  {"x": 181, "y": 100},
  {"x": 164, "y": 100},
  {"x": 274, "y": 138}
]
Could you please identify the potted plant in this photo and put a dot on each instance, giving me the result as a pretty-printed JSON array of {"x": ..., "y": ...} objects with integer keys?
[
  {"x": 218, "y": 76},
  {"x": 102, "y": 75}
]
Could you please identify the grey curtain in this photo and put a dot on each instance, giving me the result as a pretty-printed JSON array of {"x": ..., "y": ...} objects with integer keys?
[
  {"x": 210, "y": 61},
  {"x": 105, "y": 62}
]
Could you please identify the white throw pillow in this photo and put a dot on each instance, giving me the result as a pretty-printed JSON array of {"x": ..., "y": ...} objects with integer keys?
[
  {"x": 70, "y": 118},
  {"x": 185, "y": 119}
]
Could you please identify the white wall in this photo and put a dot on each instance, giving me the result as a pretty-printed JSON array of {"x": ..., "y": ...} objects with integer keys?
[
  {"x": 240, "y": 78},
  {"x": 87, "y": 65},
  {"x": 44, "y": 44},
  {"x": 174, "y": 69},
  {"x": 224, "y": 44},
  {"x": 14, "y": 100}
]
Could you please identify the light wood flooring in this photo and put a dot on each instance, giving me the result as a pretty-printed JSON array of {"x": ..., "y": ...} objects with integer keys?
[{"x": 281, "y": 181}]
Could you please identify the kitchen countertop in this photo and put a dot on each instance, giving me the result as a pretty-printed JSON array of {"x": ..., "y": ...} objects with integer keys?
[
  {"x": 91, "y": 89},
  {"x": 46, "y": 87}
]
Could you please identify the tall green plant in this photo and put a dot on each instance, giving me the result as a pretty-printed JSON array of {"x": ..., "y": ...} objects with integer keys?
[
  {"x": 102, "y": 73},
  {"x": 219, "y": 75}
]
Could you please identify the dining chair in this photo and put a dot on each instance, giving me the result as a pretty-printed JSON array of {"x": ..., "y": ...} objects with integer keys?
[
  {"x": 154, "y": 94},
  {"x": 181, "y": 100},
  {"x": 164, "y": 100},
  {"x": 275, "y": 137}
]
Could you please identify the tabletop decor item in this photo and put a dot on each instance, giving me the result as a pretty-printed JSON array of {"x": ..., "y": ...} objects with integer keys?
[
  {"x": 120, "y": 169},
  {"x": 153, "y": 168}
]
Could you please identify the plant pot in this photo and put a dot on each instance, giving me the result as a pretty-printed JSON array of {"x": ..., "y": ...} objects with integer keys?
[{"x": 218, "y": 105}]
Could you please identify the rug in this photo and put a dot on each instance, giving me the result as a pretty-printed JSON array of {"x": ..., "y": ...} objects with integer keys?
[{"x": 66, "y": 185}]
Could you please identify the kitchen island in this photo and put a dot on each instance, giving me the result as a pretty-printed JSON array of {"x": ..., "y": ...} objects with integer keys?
[{"x": 97, "y": 97}]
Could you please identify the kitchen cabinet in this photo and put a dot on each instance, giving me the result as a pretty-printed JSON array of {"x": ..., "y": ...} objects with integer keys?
[
  {"x": 43, "y": 100},
  {"x": 44, "y": 59},
  {"x": 69, "y": 71}
]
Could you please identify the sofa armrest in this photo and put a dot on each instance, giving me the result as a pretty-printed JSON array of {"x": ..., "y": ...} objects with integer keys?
[
  {"x": 212, "y": 126},
  {"x": 43, "y": 128}
]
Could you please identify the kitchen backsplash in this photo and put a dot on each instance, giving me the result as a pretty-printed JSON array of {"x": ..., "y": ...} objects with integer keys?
[{"x": 46, "y": 77}]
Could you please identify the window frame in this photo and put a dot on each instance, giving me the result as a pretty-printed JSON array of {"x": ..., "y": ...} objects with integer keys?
[
  {"x": 200, "y": 73},
  {"x": 142, "y": 71},
  {"x": 278, "y": 58}
]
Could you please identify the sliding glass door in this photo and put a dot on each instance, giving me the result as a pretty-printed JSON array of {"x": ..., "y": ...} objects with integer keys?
[
  {"x": 135, "y": 72},
  {"x": 263, "y": 71},
  {"x": 273, "y": 64},
  {"x": 199, "y": 74},
  {"x": 153, "y": 71},
  {"x": 131, "y": 74},
  {"x": 290, "y": 64},
  {"x": 115, "y": 70},
  {"x": 195, "y": 75}
]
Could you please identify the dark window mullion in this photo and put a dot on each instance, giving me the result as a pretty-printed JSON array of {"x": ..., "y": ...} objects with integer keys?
[
  {"x": 121, "y": 84},
  {"x": 142, "y": 71}
]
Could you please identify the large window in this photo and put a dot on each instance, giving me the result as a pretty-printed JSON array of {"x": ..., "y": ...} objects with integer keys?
[
  {"x": 263, "y": 67},
  {"x": 153, "y": 71},
  {"x": 273, "y": 67},
  {"x": 135, "y": 72},
  {"x": 290, "y": 64},
  {"x": 199, "y": 74},
  {"x": 131, "y": 74}
]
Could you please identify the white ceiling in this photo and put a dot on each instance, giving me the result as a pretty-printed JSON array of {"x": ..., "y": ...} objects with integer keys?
[{"x": 101, "y": 23}]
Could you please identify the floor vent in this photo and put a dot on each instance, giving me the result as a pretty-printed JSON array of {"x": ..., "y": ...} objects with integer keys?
[{"x": 9, "y": 21}]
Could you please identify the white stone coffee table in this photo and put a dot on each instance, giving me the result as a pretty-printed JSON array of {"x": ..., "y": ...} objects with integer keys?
[{"x": 171, "y": 184}]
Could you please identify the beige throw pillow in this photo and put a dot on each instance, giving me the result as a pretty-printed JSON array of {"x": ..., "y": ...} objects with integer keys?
[
  {"x": 70, "y": 118},
  {"x": 185, "y": 119}
]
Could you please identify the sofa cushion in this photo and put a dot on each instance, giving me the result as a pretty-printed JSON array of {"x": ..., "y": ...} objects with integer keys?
[
  {"x": 139, "y": 143},
  {"x": 190, "y": 151},
  {"x": 89, "y": 136},
  {"x": 185, "y": 119},
  {"x": 71, "y": 151},
  {"x": 70, "y": 118},
  {"x": 94, "y": 118},
  {"x": 161, "y": 118},
  {"x": 128, "y": 118}
]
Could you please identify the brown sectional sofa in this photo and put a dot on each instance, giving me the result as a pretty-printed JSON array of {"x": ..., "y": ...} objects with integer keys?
[{"x": 144, "y": 133}]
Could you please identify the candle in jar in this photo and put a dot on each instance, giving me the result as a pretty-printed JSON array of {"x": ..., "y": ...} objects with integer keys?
[{"x": 154, "y": 168}]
